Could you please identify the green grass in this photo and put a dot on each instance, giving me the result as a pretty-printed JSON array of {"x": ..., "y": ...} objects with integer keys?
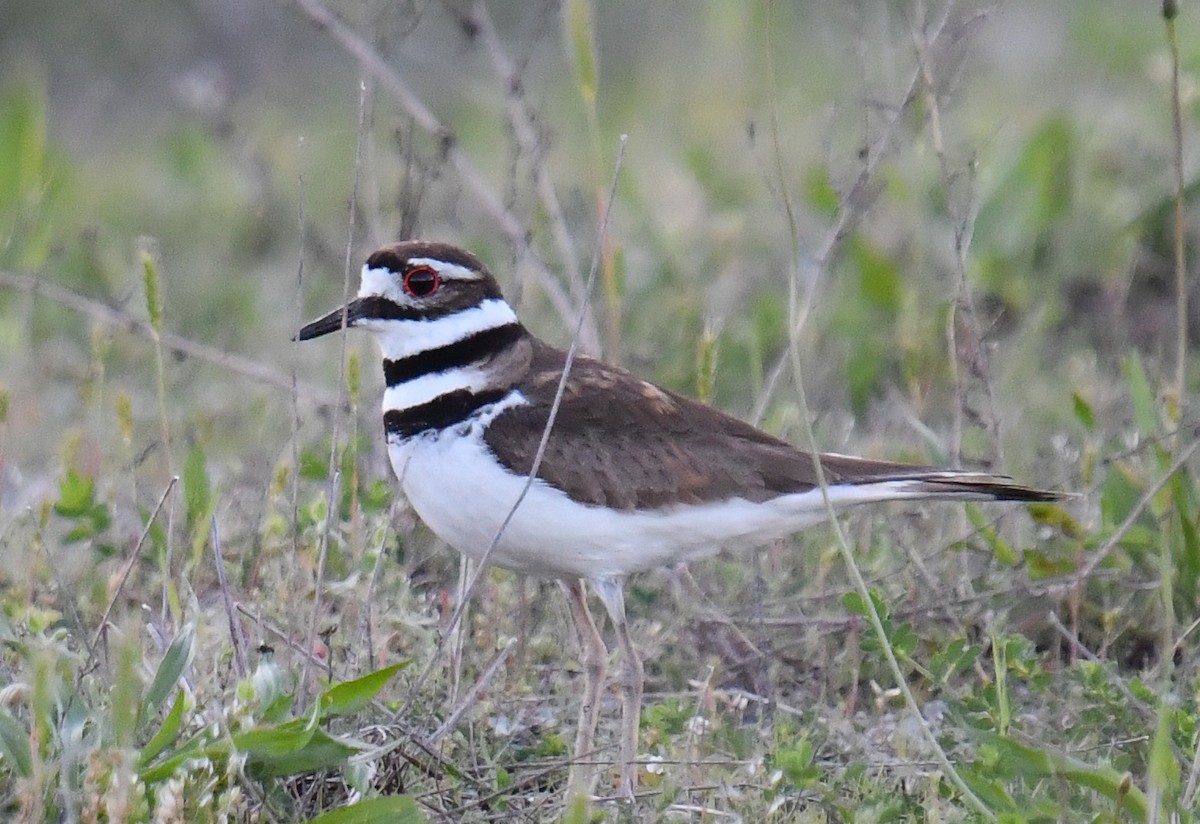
[{"x": 200, "y": 620}]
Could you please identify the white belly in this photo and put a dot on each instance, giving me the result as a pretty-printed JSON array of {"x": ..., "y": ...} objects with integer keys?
[{"x": 463, "y": 494}]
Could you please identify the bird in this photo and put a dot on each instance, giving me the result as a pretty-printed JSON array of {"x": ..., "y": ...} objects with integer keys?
[{"x": 633, "y": 476}]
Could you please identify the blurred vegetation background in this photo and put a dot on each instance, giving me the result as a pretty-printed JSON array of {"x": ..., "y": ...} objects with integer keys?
[
  {"x": 959, "y": 214},
  {"x": 213, "y": 130}
]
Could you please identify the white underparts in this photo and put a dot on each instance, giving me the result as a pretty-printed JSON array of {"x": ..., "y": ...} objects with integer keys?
[{"x": 552, "y": 535}]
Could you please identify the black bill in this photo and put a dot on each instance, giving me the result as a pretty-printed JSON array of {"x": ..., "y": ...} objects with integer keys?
[{"x": 332, "y": 322}]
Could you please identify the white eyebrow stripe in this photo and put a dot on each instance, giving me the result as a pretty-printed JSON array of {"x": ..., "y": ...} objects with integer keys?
[{"x": 447, "y": 270}]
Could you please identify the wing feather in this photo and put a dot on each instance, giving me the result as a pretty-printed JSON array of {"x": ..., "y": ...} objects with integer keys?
[{"x": 645, "y": 447}]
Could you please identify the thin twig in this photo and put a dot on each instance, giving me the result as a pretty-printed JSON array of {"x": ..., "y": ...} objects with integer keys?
[
  {"x": 235, "y": 633},
  {"x": 239, "y": 364},
  {"x": 68, "y": 596},
  {"x": 365, "y": 623},
  {"x": 332, "y": 489},
  {"x": 481, "y": 193},
  {"x": 297, "y": 316},
  {"x": 851, "y": 208},
  {"x": 133, "y": 558},
  {"x": 1101, "y": 553},
  {"x": 962, "y": 304},
  {"x": 1170, "y": 12},
  {"x": 472, "y": 695},
  {"x": 843, "y": 541},
  {"x": 1072, "y": 638},
  {"x": 521, "y": 119}
]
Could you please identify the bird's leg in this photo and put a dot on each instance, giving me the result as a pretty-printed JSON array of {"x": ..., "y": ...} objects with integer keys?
[
  {"x": 632, "y": 677},
  {"x": 594, "y": 657}
]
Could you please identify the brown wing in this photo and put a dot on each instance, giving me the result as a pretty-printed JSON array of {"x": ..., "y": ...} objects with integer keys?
[{"x": 642, "y": 447}]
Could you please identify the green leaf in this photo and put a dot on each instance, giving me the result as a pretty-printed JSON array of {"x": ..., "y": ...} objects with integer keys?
[
  {"x": 881, "y": 608},
  {"x": 880, "y": 279},
  {"x": 1053, "y": 515},
  {"x": 290, "y": 749},
  {"x": 1119, "y": 494},
  {"x": 177, "y": 658},
  {"x": 127, "y": 691},
  {"x": 376, "y": 496},
  {"x": 196, "y": 745},
  {"x": 76, "y": 495},
  {"x": 577, "y": 810},
  {"x": 1083, "y": 412},
  {"x": 1187, "y": 561},
  {"x": 1042, "y": 566},
  {"x": 1139, "y": 536},
  {"x": 853, "y": 602},
  {"x": 1145, "y": 410},
  {"x": 314, "y": 466},
  {"x": 277, "y": 741},
  {"x": 1034, "y": 764},
  {"x": 23, "y": 134},
  {"x": 31, "y": 179},
  {"x": 904, "y": 640},
  {"x": 796, "y": 764},
  {"x": 578, "y": 19},
  {"x": 77, "y": 501},
  {"x": 196, "y": 491},
  {"x": 166, "y": 733},
  {"x": 351, "y": 696},
  {"x": 14, "y": 745},
  {"x": 1003, "y": 551},
  {"x": 819, "y": 192},
  {"x": 150, "y": 282},
  {"x": 390, "y": 809},
  {"x": 1026, "y": 201},
  {"x": 985, "y": 785},
  {"x": 1164, "y": 768},
  {"x": 953, "y": 659}
]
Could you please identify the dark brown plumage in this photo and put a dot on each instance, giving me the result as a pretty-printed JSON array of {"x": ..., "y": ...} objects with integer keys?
[{"x": 645, "y": 447}]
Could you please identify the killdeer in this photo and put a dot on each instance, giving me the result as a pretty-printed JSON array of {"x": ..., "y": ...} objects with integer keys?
[{"x": 633, "y": 476}]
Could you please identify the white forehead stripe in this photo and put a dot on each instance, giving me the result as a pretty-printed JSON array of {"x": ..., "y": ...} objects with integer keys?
[
  {"x": 451, "y": 271},
  {"x": 377, "y": 282}
]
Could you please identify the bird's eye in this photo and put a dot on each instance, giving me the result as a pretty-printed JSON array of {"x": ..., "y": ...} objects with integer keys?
[{"x": 421, "y": 282}]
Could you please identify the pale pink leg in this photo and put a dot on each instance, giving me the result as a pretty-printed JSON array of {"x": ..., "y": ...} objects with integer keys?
[
  {"x": 594, "y": 657},
  {"x": 632, "y": 678}
]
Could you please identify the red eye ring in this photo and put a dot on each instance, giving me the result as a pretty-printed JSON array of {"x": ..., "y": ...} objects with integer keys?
[{"x": 421, "y": 281}]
